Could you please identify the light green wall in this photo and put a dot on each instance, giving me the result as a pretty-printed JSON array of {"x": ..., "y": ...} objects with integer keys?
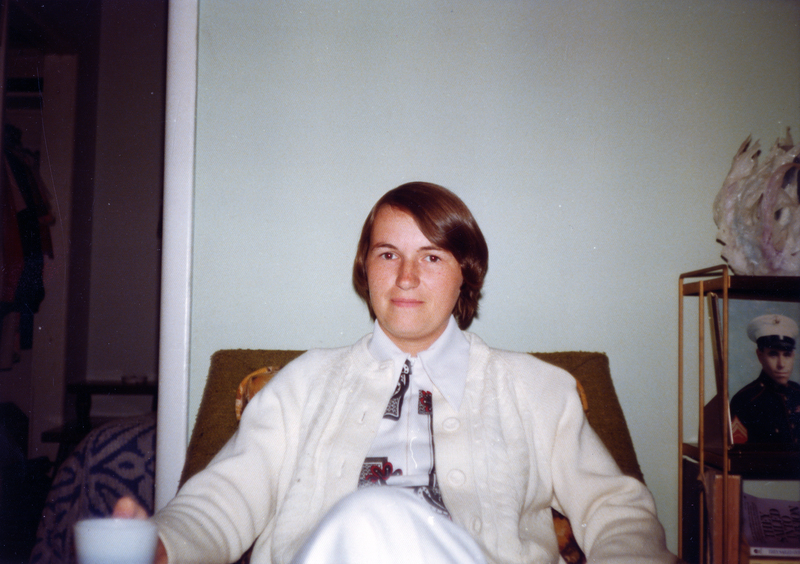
[{"x": 588, "y": 137}]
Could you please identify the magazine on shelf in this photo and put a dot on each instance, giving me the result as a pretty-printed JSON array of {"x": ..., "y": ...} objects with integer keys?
[
  {"x": 721, "y": 515},
  {"x": 770, "y": 527},
  {"x": 716, "y": 424}
]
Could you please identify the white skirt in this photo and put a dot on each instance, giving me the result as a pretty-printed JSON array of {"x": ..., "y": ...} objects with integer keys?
[{"x": 390, "y": 525}]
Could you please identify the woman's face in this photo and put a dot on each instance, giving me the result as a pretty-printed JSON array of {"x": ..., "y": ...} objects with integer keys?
[{"x": 413, "y": 284}]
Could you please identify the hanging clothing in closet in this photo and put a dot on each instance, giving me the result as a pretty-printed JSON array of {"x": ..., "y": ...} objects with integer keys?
[{"x": 26, "y": 221}]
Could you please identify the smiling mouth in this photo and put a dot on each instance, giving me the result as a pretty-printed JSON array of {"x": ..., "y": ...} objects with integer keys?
[{"x": 406, "y": 302}]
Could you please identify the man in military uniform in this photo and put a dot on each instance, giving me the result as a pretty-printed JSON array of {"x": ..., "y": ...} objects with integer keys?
[{"x": 769, "y": 406}]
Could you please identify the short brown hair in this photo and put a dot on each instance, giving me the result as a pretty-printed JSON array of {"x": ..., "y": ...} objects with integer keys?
[{"x": 447, "y": 223}]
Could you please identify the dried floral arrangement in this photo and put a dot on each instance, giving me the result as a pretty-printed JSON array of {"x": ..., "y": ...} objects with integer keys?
[{"x": 757, "y": 211}]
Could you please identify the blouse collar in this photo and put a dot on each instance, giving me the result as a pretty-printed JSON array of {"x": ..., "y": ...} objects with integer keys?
[{"x": 446, "y": 360}]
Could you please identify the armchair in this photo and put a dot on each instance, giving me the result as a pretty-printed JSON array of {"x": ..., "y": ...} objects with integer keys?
[{"x": 216, "y": 418}]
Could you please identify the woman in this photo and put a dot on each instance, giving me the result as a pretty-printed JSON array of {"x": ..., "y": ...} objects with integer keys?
[{"x": 419, "y": 442}]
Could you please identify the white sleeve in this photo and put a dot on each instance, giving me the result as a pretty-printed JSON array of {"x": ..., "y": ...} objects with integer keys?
[
  {"x": 220, "y": 511},
  {"x": 613, "y": 516}
]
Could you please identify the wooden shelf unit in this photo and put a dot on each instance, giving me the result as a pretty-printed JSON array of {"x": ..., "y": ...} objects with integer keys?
[{"x": 743, "y": 460}]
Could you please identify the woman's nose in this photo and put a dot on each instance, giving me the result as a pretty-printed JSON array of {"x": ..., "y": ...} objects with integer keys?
[{"x": 408, "y": 275}]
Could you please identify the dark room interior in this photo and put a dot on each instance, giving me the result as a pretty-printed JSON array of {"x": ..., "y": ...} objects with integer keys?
[{"x": 84, "y": 112}]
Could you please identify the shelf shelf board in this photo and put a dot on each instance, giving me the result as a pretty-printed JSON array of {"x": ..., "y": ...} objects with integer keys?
[
  {"x": 785, "y": 288},
  {"x": 751, "y": 463}
]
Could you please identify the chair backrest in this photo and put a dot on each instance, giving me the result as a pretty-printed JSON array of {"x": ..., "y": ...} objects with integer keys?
[{"x": 216, "y": 418}]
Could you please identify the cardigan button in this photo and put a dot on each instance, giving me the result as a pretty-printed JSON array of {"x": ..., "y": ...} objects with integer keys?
[
  {"x": 456, "y": 477},
  {"x": 451, "y": 424},
  {"x": 476, "y": 525}
]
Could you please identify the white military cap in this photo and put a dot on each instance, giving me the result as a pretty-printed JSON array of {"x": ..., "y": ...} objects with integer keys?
[{"x": 774, "y": 329}]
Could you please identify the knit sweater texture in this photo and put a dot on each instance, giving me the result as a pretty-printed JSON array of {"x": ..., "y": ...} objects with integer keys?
[{"x": 519, "y": 445}]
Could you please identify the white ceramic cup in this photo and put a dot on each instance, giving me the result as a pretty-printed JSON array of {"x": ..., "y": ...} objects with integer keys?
[{"x": 114, "y": 540}]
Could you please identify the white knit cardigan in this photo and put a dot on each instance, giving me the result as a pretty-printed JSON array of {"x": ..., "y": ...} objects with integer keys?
[{"x": 518, "y": 445}]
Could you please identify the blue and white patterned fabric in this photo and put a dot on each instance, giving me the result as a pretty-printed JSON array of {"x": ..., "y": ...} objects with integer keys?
[{"x": 114, "y": 460}]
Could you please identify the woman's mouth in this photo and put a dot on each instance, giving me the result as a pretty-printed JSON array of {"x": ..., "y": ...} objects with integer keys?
[{"x": 406, "y": 302}]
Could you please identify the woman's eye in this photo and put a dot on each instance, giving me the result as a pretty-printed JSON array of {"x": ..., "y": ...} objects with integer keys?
[
  {"x": 433, "y": 258},
  {"x": 387, "y": 256}
]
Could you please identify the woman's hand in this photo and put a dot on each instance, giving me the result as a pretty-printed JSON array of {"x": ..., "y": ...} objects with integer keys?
[{"x": 128, "y": 508}]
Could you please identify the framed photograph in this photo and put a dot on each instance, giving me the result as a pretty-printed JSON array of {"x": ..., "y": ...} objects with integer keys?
[{"x": 761, "y": 416}]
